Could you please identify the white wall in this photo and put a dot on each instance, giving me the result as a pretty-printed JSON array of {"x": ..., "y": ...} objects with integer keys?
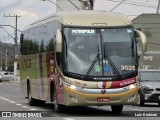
[
  {"x": 67, "y": 6},
  {"x": 150, "y": 25}
]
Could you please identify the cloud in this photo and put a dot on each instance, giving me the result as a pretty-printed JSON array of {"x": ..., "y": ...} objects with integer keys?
[
  {"x": 7, "y": 4},
  {"x": 22, "y": 13},
  {"x": 27, "y": 17}
]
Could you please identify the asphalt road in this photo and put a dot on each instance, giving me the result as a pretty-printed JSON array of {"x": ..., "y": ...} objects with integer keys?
[{"x": 11, "y": 100}]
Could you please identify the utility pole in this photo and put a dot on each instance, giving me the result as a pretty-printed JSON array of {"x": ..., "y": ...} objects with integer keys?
[
  {"x": 16, "y": 45},
  {"x": 158, "y": 7},
  {"x": 1, "y": 58},
  {"x": 6, "y": 67}
]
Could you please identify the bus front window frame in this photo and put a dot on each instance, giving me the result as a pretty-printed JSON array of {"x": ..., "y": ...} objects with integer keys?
[{"x": 87, "y": 76}]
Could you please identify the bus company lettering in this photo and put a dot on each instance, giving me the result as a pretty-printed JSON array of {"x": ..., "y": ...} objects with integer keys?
[
  {"x": 124, "y": 83},
  {"x": 77, "y": 83}
]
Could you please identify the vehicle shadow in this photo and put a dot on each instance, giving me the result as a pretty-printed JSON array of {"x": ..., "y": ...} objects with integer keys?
[
  {"x": 150, "y": 105},
  {"x": 84, "y": 111}
]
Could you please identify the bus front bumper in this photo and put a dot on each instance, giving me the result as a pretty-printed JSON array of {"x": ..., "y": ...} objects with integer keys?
[{"x": 76, "y": 98}]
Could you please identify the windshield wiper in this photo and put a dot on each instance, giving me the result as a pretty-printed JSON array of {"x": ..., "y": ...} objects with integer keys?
[
  {"x": 94, "y": 62},
  {"x": 92, "y": 65},
  {"x": 132, "y": 47},
  {"x": 114, "y": 68}
]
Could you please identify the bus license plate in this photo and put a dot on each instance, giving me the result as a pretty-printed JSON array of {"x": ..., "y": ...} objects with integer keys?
[{"x": 103, "y": 99}]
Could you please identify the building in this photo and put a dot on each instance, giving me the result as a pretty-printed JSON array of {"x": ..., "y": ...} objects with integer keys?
[
  {"x": 150, "y": 25},
  {"x": 67, "y": 5}
]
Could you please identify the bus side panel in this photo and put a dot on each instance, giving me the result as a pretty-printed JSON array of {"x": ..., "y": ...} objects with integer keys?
[
  {"x": 50, "y": 71},
  {"x": 27, "y": 72},
  {"x": 44, "y": 68},
  {"x": 42, "y": 78}
]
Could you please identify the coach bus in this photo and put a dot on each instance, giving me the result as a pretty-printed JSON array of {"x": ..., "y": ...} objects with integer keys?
[{"x": 66, "y": 59}]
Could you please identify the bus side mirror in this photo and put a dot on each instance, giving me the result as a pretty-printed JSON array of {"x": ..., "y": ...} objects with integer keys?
[
  {"x": 21, "y": 38},
  {"x": 59, "y": 41},
  {"x": 143, "y": 40}
]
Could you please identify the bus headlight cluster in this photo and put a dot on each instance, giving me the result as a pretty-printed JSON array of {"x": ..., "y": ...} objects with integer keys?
[
  {"x": 73, "y": 87},
  {"x": 132, "y": 86}
]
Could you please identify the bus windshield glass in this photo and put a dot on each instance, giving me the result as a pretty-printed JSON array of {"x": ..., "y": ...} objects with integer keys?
[{"x": 100, "y": 52}]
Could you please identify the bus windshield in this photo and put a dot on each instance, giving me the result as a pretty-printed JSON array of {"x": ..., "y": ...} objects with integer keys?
[{"x": 100, "y": 52}]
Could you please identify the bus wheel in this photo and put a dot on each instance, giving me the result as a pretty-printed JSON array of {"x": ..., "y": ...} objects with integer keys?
[
  {"x": 140, "y": 100},
  {"x": 57, "y": 107},
  {"x": 117, "y": 108},
  {"x": 31, "y": 101}
]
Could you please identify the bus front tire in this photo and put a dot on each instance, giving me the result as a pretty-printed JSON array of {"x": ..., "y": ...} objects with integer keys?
[
  {"x": 57, "y": 107},
  {"x": 140, "y": 100},
  {"x": 117, "y": 109}
]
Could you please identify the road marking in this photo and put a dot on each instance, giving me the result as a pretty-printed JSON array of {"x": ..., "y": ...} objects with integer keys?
[
  {"x": 33, "y": 109},
  {"x": 12, "y": 102},
  {"x": 2, "y": 98},
  {"x": 5, "y": 99},
  {"x": 25, "y": 106},
  {"x": 135, "y": 109},
  {"x": 68, "y": 118},
  {"x": 18, "y": 104}
]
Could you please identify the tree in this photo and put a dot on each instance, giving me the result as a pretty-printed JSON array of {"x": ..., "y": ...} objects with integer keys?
[
  {"x": 42, "y": 48},
  {"x": 50, "y": 46}
]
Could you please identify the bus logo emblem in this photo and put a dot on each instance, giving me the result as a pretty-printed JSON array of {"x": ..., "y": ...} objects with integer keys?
[{"x": 103, "y": 91}]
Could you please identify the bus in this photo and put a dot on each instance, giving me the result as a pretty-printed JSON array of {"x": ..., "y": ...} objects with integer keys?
[{"x": 66, "y": 59}]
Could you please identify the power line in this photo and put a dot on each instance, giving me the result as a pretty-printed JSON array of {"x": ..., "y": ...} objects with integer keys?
[
  {"x": 54, "y": 4},
  {"x": 74, "y": 5},
  {"x": 117, "y": 5},
  {"x": 135, "y": 4},
  {"x": 7, "y": 32},
  {"x": 158, "y": 7}
]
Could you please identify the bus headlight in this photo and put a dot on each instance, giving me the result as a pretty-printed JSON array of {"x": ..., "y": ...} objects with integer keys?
[
  {"x": 132, "y": 86},
  {"x": 73, "y": 87}
]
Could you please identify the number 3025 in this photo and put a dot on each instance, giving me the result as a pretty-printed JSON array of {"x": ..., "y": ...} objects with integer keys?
[{"x": 128, "y": 67}]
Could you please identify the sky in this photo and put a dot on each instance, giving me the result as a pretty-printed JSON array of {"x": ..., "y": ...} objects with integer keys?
[{"x": 32, "y": 10}]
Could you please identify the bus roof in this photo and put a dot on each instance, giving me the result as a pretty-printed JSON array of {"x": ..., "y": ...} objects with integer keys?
[{"x": 86, "y": 18}]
